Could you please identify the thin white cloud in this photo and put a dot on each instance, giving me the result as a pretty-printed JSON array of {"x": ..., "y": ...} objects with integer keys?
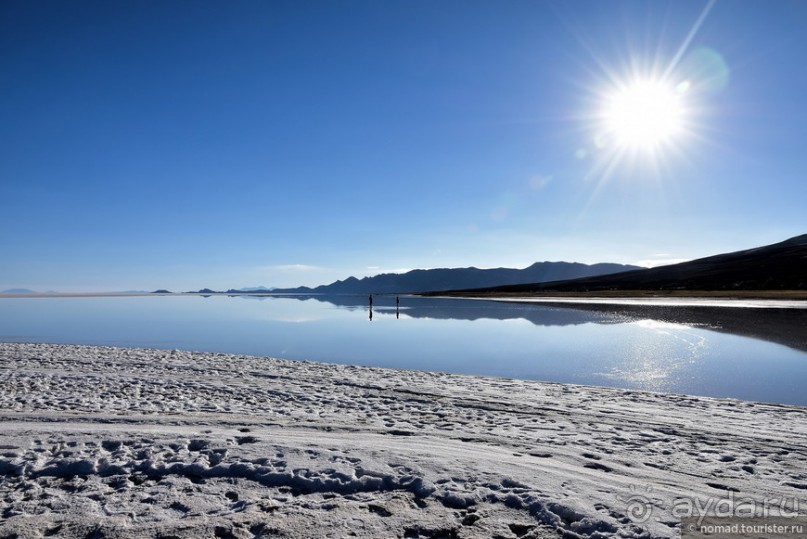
[
  {"x": 296, "y": 268},
  {"x": 656, "y": 262},
  {"x": 378, "y": 270}
]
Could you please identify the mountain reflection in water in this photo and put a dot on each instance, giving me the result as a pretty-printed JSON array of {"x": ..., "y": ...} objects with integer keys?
[{"x": 777, "y": 325}]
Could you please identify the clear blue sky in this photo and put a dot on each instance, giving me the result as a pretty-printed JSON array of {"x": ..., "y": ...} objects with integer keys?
[{"x": 148, "y": 144}]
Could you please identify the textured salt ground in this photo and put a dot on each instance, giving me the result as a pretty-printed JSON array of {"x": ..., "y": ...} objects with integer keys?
[{"x": 114, "y": 442}]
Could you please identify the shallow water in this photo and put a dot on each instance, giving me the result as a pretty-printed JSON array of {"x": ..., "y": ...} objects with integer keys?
[{"x": 755, "y": 354}]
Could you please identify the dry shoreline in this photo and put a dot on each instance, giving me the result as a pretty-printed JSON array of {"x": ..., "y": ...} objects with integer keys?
[
  {"x": 147, "y": 443},
  {"x": 799, "y": 295}
]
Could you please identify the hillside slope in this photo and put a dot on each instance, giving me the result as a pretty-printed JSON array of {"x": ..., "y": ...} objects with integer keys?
[{"x": 780, "y": 266}]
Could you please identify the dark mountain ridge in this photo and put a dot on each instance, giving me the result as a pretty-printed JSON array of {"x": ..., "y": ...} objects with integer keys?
[
  {"x": 431, "y": 280},
  {"x": 780, "y": 266}
]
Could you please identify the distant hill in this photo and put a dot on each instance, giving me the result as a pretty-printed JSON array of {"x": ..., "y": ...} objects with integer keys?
[
  {"x": 253, "y": 289},
  {"x": 781, "y": 266},
  {"x": 18, "y": 291},
  {"x": 206, "y": 291},
  {"x": 431, "y": 280}
]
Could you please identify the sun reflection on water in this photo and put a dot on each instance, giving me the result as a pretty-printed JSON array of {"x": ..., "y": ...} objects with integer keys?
[{"x": 658, "y": 355}]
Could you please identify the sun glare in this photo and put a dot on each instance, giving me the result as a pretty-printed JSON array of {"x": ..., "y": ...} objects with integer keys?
[
  {"x": 644, "y": 114},
  {"x": 647, "y": 115}
]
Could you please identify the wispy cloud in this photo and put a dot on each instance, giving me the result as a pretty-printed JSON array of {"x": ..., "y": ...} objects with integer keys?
[
  {"x": 369, "y": 271},
  {"x": 296, "y": 268},
  {"x": 656, "y": 262}
]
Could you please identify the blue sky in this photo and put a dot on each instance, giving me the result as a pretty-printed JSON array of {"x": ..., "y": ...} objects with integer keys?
[{"x": 149, "y": 144}]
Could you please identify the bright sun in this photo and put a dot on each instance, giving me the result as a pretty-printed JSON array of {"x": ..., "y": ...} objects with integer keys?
[{"x": 644, "y": 114}]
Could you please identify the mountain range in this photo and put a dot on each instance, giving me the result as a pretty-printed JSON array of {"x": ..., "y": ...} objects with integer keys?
[
  {"x": 431, "y": 280},
  {"x": 780, "y": 266}
]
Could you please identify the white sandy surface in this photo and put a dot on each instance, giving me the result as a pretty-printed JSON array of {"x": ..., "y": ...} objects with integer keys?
[{"x": 100, "y": 442}]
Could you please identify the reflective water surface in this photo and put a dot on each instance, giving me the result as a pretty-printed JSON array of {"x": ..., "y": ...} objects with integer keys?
[{"x": 747, "y": 353}]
